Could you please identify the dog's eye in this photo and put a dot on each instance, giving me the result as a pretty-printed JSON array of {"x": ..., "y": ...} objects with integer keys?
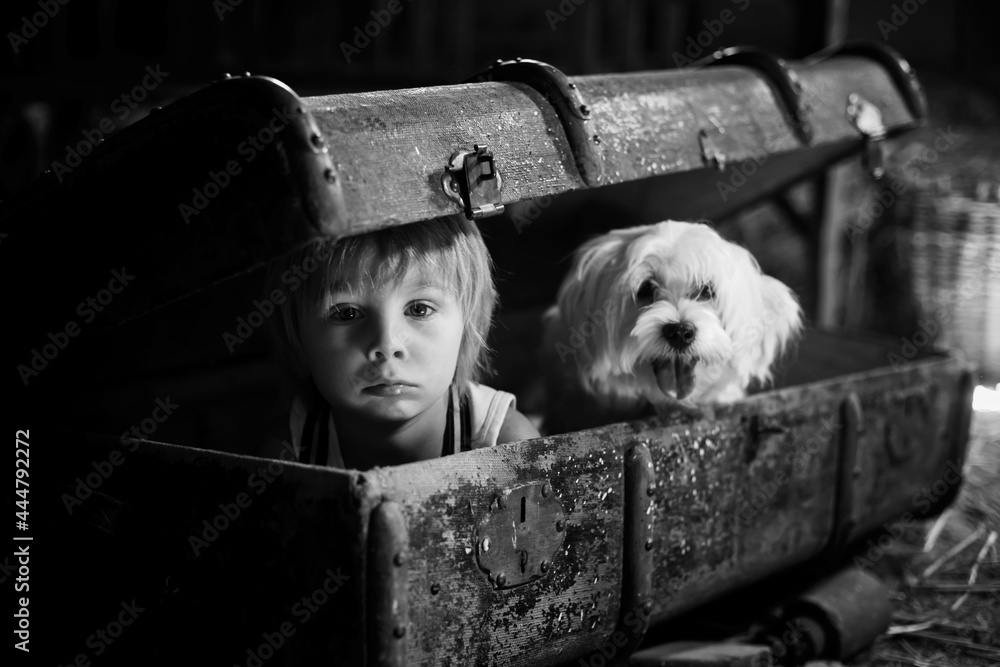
[
  {"x": 646, "y": 290},
  {"x": 704, "y": 293}
]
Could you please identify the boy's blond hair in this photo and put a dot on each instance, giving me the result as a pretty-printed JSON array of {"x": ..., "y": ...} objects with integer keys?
[{"x": 451, "y": 248}]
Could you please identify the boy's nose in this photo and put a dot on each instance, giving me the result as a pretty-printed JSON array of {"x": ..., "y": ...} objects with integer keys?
[{"x": 387, "y": 341}]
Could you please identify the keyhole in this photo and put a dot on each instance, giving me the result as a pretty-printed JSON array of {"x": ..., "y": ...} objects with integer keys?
[
  {"x": 524, "y": 507},
  {"x": 524, "y": 560}
]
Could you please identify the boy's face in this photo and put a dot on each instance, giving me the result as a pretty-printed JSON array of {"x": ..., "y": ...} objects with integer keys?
[{"x": 385, "y": 354}]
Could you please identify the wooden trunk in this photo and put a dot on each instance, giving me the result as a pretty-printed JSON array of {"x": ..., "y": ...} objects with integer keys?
[
  {"x": 783, "y": 480},
  {"x": 609, "y": 529}
]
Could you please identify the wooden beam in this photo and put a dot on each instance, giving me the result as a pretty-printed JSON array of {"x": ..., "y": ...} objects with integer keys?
[{"x": 832, "y": 203}]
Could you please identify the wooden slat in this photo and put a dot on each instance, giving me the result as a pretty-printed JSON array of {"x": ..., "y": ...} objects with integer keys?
[
  {"x": 907, "y": 459},
  {"x": 463, "y": 620},
  {"x": 729, "y": 511},
  {"x": 391, "y": 147}
]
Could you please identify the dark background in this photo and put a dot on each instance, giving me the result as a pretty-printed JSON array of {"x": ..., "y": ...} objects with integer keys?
[{"x": 64, "y": 81}]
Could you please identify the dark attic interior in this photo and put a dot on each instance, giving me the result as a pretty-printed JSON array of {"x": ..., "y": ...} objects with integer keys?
[{"x": 159, "y": 160}]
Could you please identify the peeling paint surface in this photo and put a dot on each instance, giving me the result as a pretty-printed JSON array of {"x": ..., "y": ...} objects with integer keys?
[
  {"x": 734, "y": 103},
  {"x": 571, "y": 609},
  {"x": 391, "y": 147}
]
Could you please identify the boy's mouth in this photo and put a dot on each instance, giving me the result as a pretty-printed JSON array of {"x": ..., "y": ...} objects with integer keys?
[{"x": 388, "y": 389}]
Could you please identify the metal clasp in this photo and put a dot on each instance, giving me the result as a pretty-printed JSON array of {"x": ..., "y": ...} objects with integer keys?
[
  {"x": 711, "y": 154},
  {"x": 471, "y": 179},
  {"x": 569, "y": 103},
  {"x": 867, "y": 118},
  {"x": 521, "y": 534},
  {"x": 783, "y": 79}
]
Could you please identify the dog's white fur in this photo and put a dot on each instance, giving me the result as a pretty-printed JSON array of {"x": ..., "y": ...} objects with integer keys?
[{"x": 603, "y": 342}]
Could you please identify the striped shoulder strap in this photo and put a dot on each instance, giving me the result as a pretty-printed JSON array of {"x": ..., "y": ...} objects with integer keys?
[{"x": 458, "y": 428}]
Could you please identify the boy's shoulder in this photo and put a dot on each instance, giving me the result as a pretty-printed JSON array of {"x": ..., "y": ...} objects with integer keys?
[
  {"x": 516, "y": 427},
  {"x": 495, "y": 412}
]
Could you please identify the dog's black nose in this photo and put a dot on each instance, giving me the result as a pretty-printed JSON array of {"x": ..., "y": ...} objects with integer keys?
[{"x": 679, "y": 334}]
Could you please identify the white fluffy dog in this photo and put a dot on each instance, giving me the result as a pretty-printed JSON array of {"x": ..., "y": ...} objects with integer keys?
[{"x": 661, "y": 318}]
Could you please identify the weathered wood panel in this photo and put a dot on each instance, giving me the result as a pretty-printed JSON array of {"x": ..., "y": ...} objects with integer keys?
[
  {"x": 908, "y": 440},
  {"x": 457, "y": 617},
  {"x": 826, "y": 87},
  {"x": 635, "y": 142},
  {"x": 754, "y": 489},
  {"x": 391, "y": 147},
  {"x": 736, "y": 107},
  {"x": 909, "y": 454},
  {"x": 742, "y": 496}
]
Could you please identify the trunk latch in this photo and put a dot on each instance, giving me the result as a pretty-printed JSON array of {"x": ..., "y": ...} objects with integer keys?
[
  {"x": 471, "y": 178},
  {"x": 522, "y": 532},
  {"x": 867, "y": 118}
]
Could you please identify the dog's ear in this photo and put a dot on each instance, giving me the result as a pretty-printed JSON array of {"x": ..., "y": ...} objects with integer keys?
[
  {"x": 781, "y": 322},
  {"x": 595, "y": 263},
  {"x": 591, "y": 302}
]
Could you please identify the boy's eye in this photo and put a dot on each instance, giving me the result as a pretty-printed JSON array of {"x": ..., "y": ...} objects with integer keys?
[
  {"x": 419, "y": 309},
  {"x": 704, "y": 293},
  {"x": 344, "y": 313}
]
